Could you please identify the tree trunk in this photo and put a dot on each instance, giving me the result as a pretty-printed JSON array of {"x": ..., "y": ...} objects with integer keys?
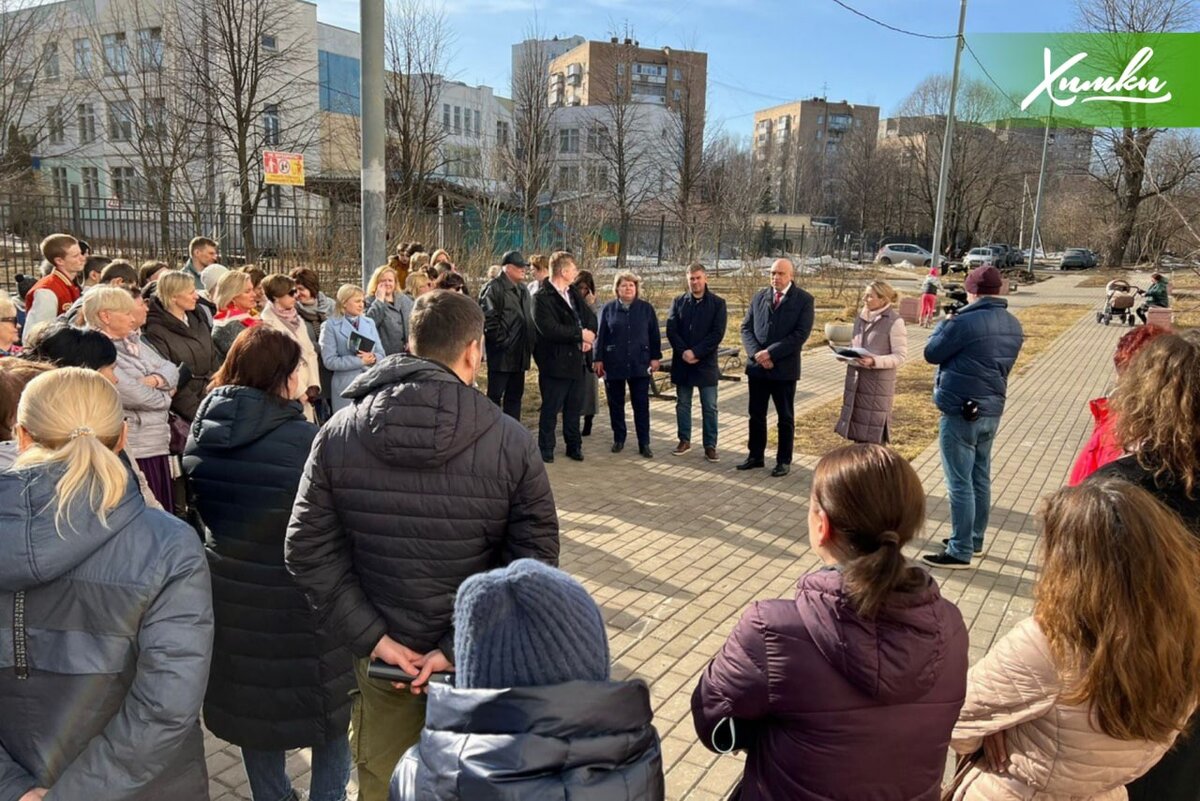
[{"x": 1131, "y": 152}]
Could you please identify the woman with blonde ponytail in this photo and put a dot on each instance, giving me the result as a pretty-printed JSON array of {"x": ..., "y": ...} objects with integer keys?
[
  {"x": 107, "y": 606},
  {"x": 866, "y": 666}
]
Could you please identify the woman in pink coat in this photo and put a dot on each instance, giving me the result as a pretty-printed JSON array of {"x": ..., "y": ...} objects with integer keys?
[{"x": 1091, "y": 691}]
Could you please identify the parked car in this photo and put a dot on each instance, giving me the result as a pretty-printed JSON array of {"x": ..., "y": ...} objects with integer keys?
[
  {"x": 1077, "y": 258},
  {"x": 898, "y": 252},
  {"x": 1005, "y": 255},
  {"x": 984, "y": 255}
]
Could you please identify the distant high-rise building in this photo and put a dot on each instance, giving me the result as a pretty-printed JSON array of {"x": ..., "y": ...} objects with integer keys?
[{"x": 550, "y": 49}]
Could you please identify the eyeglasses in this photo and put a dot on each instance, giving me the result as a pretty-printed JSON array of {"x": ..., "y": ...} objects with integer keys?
[
  {"x": 293, "y": 292},
  {"x": 8, "y": 320}
]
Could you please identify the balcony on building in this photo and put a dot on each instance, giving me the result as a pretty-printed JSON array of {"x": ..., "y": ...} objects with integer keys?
[{"x": 574, "y": 74}]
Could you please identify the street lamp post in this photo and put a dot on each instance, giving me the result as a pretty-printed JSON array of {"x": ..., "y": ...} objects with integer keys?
[
  {"x": 948, "y": 141},
  {"x": 374, "y": 186}
]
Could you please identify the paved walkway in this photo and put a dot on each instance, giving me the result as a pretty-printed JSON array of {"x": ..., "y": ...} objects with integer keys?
[{"x": 673, "y": 549}]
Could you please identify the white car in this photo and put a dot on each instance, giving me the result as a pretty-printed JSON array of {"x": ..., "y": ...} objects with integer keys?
[
  {"x": 896, "y": 253},
  {"x": 977, "y": 257}
]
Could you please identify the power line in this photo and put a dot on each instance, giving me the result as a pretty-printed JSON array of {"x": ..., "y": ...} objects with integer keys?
[
  {"x": 883, "y": 24},
  {"x": 999, "y": 88},
  {"x": 746, "y": 91}
]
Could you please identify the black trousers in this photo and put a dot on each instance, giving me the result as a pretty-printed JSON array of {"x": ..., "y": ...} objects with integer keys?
[
  {"x": 563, "y": 395},
  {"x": 783, "y": 395},
  {"x": 506, "y": 389},
  {"x": 639, "y": 398}
]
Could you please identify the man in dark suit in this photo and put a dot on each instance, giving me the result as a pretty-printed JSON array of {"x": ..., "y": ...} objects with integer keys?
[
  {"x": 695, "y": 328},
  {"x": 777, "y": 325},
  {"x": 508, "y": 333},
  {"x": 565, "y": 329}
]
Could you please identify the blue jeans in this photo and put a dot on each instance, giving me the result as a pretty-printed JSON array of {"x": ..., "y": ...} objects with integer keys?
[
  {"x": 269, "y": 781},
  {"x": 967, "y": 463},
  {"x": 708, "y": 413}
]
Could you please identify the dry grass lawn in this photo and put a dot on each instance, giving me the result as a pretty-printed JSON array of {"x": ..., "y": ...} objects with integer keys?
[{"x": 915, "y": 418}]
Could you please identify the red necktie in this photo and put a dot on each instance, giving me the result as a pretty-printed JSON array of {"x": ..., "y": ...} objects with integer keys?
[{"x": 778, "y": 299}]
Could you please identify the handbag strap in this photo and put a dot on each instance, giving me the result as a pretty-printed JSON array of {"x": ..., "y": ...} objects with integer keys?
[{"x": 965, "y": 764}]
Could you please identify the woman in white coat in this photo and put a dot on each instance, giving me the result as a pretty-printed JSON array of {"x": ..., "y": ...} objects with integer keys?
[
  {"x": 280, "y": 313},
  {"x": 1089, "y": 693},
  {"x": 345, "y": 362}
]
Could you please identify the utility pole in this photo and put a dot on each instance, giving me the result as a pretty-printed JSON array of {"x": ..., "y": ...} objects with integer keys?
[
  {"x": 1037, "y": 203},
  {"x": 374, "y": 137},
  {"x": 944, "y": 174}
]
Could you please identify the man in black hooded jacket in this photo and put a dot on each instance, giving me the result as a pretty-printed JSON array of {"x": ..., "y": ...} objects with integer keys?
[{"x": 420, "y": 483}]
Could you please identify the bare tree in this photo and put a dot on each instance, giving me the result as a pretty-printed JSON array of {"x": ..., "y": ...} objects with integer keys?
[
  {"x": 529, "y": 153},
  {"x": 1122, "y": 164},
  {"x": 686, "y": 157},
  {"x": 417, "y": 51},
  {"x": 981, "y": 167},
  {"x": 33, "y": 51},
  {"x": 862, "y": 173},
  {"x": 733, "y": 188},
  {"x": 148, "y": 108},
  {"x": 627, "y": 145},
  {"x": 254, "y": 69}
]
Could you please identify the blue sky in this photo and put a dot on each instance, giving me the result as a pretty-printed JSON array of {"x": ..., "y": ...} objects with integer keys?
[{"x": 761, "y": 52}]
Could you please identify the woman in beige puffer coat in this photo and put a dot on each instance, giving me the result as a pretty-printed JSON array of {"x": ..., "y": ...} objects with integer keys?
[{"x": 1090, "y": 692}]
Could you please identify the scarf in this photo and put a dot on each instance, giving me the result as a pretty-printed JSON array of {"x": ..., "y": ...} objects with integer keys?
[
  {"x": 290, "y": 318},
  {"x": 233, "y": 314}
]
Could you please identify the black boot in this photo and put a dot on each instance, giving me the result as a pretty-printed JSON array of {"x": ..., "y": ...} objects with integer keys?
[{"x": 587, "y": 425}]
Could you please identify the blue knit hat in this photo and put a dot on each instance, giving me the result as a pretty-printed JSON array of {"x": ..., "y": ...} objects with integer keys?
[{"x": 527, "y": 625}]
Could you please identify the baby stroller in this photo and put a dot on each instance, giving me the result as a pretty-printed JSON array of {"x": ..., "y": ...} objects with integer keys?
[{"x": 1119, "y": 296}]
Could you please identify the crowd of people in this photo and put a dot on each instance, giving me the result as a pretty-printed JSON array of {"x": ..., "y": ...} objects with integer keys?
[{"x": 361, "y": 504}]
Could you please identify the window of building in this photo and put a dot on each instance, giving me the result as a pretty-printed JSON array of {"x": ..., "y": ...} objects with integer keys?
[
  {"x": 58, "y": 177},
  {"x": 677, "y": 74},
  {"x": 120, "y": 121},
  {"x": 86, "y": 113},
  {"x": 90, "y": 177},
  {"x": 820, "y": 119},
  {"x": 597, "y": 175},
  {"x": 339, "y": 78},
  {"x": 620, "y": 68},
  {"x": 50, "y": 61},
  {"x": 676, "y": 95},
  {"x": 154, "y": 112},
  {"x": 458, "y": 119},
  {"x": 568, "y": 140},
  {"x": 820, "y": 133},
  {"x": 501, "y": 133},
  {"x": 56, "y": 126},
  {"x": 124, "y": 183},
  {"x": 116, "y": 53},
  {"x": 446, "y": 117},
  {"x": 568, "y": 176},
  {"x": 478, "y": 125},
  {"x": 271, "y": 127},
  {"x": 269, "y": 42},
  {"x": 83, "y": 56},
  {"x": 597, "y": 139},
  {"x": 274, "y": 196},
  {"x": 150, "y": 48}
]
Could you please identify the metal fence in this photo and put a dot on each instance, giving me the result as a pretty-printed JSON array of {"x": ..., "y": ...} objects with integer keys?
[{"x": 328, "y": 238}]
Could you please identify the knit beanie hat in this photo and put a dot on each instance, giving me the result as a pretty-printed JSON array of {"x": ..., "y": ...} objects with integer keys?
[
  {"x": 210, "y": 275},
  {"x": 527, "y": 625}
]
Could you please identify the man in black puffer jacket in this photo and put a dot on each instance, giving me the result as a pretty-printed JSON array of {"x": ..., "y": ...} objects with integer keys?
[{"x": 419, "y": 484}]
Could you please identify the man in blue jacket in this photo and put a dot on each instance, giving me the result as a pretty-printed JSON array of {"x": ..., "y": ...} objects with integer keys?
[
  {"x": 974, "y": 350},
  {"x": 695, "y": 328},
  {"x": 777, "y": 325}
]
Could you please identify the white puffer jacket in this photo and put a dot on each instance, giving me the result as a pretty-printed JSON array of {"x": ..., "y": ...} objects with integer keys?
[{"x": 1055, "y": 753}]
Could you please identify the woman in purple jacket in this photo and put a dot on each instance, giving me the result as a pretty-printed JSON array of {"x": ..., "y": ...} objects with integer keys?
[{"x": 866, "y": 667}]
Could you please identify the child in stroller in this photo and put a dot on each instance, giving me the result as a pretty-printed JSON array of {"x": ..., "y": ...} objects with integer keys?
[{"x": 1119, "y": 296}]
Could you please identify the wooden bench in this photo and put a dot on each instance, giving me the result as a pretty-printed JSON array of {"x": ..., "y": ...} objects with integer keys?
[{"x": 728, "y": 360}]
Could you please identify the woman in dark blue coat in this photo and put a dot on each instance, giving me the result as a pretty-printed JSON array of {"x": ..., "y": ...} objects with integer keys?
[
  {"x": 279, "y": 680},
  {"x": 628, "y": 350}
]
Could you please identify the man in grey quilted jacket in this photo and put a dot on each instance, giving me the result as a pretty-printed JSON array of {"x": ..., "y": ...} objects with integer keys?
[{"x": 418, "y": 484}]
